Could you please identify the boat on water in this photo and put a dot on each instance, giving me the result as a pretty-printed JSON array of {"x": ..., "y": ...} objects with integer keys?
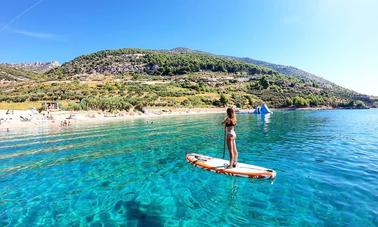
[{"x": 264, "y": 109}]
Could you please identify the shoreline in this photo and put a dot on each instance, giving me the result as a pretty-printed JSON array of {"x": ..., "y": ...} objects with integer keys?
[
  {"x": 307, "y": 108},
  {"x": 31, "y": 119},
  {"x": 22, "y": 119}
]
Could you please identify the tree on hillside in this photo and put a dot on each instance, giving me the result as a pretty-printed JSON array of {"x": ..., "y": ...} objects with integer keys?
[
  {"x": 300, "y": 101},
  {"x": 264, "y": 82},
  {"x": 223, "y": 99}
]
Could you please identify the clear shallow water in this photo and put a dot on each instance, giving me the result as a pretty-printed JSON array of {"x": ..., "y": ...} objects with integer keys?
[{"x": 135, "y": 173}]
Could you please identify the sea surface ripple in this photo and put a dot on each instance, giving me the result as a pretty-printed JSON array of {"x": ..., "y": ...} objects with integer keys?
[{"x": 135, "y": 172}]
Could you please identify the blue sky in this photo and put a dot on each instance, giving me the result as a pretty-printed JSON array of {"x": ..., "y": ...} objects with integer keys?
[{"x": 336, "y": 39}]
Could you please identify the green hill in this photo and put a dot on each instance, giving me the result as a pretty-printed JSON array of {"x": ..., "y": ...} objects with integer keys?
[
  {"x": 126, "y": 78},
  {"x": 152, "y": 62}
]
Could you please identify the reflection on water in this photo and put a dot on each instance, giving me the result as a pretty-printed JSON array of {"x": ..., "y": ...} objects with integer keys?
[{"x": 265, "y": 120}]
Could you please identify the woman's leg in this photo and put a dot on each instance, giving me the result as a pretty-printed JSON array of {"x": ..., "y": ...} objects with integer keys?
[
  {"x": 235, "y": 151},
  {"x": 230, "y": 150}
]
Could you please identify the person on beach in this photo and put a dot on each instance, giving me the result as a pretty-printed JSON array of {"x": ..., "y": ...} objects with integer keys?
[
  {"x": 229, "y": 127},
  {"x": 65, "y": 123}
]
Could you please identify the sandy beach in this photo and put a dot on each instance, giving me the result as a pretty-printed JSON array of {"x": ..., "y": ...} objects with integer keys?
[{"x": 18, "y": 119}]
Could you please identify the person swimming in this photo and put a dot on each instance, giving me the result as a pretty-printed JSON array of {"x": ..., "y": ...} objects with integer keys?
[{"x": 230, "y": 123}]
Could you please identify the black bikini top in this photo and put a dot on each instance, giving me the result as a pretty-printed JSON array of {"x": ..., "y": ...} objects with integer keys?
[{"x": 230, "y": 124}]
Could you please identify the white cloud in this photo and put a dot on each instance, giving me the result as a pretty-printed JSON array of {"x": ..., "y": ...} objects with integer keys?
[
  {"x": 40, "y": 35},
  {"x": 18, "y": 16}
]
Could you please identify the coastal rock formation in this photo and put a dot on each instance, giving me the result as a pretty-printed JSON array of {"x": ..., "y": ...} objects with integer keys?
[{"x": 37, "y": 67}]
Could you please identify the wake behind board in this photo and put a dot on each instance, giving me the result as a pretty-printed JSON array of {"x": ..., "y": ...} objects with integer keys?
[{"x": 218, "y": 165}]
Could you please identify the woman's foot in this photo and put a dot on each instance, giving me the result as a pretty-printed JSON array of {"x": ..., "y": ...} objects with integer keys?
[
  {"x": 228, "y": 166},
  {"x": 234, "y": 165}
]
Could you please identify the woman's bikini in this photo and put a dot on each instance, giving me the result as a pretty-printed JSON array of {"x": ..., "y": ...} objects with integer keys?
[{"x": 230, "y": 129}]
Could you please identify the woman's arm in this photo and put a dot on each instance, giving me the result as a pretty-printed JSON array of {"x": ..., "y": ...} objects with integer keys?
[{"x": 233, "y": 121}]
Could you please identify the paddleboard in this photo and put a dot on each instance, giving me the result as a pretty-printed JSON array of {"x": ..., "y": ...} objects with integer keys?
[{"x": 218, "y": 165}]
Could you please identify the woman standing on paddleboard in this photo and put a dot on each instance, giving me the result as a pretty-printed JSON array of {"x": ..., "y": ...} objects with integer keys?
[{"x": 230, "y": 123}]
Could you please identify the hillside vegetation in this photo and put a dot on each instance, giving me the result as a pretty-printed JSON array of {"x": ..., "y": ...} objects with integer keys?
[
  {"x": 8, "y": 73},
  {"x": 164, "y": 63},
  {"x": 132, "y": 78}
]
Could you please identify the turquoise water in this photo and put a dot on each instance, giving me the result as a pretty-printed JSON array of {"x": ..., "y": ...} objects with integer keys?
[{"x": 135, "y": 173}]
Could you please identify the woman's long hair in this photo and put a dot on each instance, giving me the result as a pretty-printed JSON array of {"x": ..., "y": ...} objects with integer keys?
[{"x": 231, "y": 115}]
